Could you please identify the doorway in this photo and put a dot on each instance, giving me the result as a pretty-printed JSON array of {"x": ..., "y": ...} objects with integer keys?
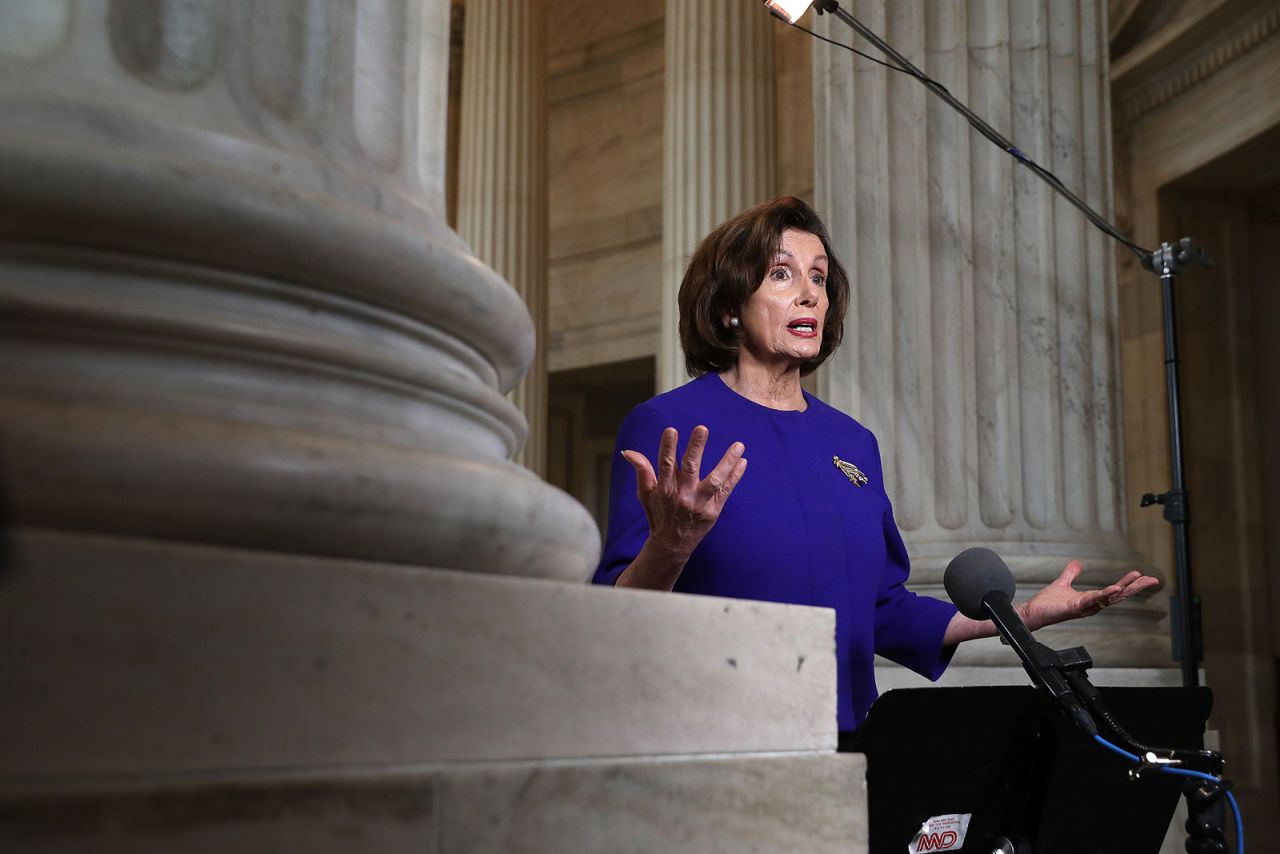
[{"x": 585, "y": 408}]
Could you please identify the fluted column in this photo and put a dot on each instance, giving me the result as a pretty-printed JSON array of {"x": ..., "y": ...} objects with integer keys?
[
  {"x": 233, "y": 313},
  {"x": 718, "y": 143},
  {"x": 502, "y": 200},
  {"x": 981, "y": 338}
]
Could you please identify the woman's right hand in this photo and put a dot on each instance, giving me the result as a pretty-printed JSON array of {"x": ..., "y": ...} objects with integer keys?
[{"x": 682, "y": 508}]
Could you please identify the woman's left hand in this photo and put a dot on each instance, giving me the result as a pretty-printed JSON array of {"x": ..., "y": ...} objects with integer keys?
[{"x": 1059, "y": 601}]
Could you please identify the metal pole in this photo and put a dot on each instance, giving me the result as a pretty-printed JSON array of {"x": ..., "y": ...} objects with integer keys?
[{"x": 1176, "y": 509}]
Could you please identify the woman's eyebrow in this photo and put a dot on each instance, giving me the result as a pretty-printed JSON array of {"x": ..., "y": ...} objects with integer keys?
[{"x": 784, "y": 253}]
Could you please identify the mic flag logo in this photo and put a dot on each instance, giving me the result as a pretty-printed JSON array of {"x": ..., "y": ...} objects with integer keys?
[
  {"x": 941, "y": 833},
  {"x": 945, "y": 841}
]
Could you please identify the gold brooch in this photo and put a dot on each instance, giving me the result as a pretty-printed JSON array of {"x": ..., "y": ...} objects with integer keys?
[{"x": 856, "y": 477}]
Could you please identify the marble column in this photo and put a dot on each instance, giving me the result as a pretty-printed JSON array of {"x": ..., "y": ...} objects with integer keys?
[
  {"x": 234, "y": 314},
  {"x": 718, "y": 145},
  {"x": 502, "y": 199},
  {"x": 981, "y": 338},
  {"x": 268, "y": 577}
]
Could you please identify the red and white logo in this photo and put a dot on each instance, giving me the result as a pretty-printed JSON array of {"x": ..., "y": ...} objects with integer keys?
[
  {"x": 941, "y": 833},
  {"x": 945, "y": 841}
]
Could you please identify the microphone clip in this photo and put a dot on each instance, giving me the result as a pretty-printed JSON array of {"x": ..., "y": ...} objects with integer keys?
[
  {"x": 1151, "y": 761},
  {"x": 1172, "y": 257}
]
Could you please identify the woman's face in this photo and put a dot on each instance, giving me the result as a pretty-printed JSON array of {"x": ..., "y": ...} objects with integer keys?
[{"x": 782, "y": 321}]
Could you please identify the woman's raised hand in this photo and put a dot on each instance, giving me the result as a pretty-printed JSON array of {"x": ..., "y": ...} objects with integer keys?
[
  {"x": 1059, "y": 601},
  {"x": 682, "y": 508}
]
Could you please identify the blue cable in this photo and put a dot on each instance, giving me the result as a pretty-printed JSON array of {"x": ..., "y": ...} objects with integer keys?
[
  {"x": 1132, "y": 757},
  {"x": 1235, "y": 812},
  {"x": 1185, "y": 772}
]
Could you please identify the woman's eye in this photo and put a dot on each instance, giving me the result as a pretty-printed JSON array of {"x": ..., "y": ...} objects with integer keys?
[
  {"x": 780, "y": 274},
  {"x": 819, "y": 280}
]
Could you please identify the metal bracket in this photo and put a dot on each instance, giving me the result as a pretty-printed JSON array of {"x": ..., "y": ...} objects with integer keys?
[
  {"x": 1171, "y": 257},
  {"x": 1174, "y": 502},
  {"x": 1152, "y": 762}
]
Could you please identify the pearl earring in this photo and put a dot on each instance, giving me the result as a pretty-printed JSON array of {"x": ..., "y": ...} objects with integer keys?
[{"x": 733, "y": 321}]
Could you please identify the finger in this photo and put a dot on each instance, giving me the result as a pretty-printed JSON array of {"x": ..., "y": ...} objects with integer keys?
[
  {"x": 1091, "y": 602},
  {"x": 667, "y": 455},
  {"x": 692, "y": 466},
  {"x": 734, "y": 476},
  {"x": 646, "y": 481},
  {"x": 1144, "y": 584},
  {"x": 1121, "y": 586},
  {"x": 721, "y": 495},
  {"x": 1130, "y": 588},
  {"x": 1069, "y": 573},
  {"x": 718, "y": 479}
]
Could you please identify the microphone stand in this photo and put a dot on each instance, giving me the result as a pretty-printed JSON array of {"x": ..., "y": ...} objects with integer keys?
[
  {"x": 1164, "y": 262},
  {"x": 1064, "y": 673},
  {"x": 1206, "y": 798}
]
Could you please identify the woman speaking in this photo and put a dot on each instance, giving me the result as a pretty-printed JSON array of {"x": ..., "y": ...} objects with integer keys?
[{"x": 762, "y": 304}]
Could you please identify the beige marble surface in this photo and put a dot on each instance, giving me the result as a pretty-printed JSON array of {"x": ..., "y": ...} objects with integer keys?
[
  {"x": 890, "y": 676},
  {"x": 604, "y": 200},
  {"x": 740, "y": 804},
  {"x": 802, "y": 802},
  {"x": 194, "y": 658},
  {"x": 234, "y": 312},
  {"x": 502, "y": 175}
]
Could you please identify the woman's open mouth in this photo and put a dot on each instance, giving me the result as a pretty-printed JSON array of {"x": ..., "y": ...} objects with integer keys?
[{"x": 803, "y": 327}]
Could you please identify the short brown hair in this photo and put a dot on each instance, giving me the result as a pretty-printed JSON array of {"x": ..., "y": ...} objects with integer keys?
[{"x": 726, "y": 269}]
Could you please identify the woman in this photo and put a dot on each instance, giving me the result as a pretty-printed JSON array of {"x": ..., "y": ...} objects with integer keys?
[{"x": 761, "y": 305}]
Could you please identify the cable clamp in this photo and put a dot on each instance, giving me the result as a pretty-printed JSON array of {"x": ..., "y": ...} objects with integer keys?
[{"x": 1152, "y": 761}]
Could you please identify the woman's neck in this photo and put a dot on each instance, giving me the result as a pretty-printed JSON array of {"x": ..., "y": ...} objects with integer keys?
[{"x": 774, "y": 387}]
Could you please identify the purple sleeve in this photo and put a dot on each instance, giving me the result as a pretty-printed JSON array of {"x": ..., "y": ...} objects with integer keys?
[
  {"x": 628, "y": 528},
  {"x": 909, "y": 628}
]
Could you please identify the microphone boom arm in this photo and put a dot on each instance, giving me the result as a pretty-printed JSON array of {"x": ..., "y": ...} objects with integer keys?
[{"x": 1045, "y": 666}]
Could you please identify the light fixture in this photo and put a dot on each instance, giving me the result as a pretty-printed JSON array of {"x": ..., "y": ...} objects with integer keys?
[{"x": 792, "y": 10}]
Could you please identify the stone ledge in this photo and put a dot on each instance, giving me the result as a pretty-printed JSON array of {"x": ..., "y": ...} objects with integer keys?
[
  {"x": 148, "y": 657},
  {"x": 890, "y": 676},
  {"x": 803, "y": 802}
]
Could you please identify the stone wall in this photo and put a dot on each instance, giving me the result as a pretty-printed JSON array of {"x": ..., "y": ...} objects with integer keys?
[
  {"x": 605, "y": 76},
  {"x": 605, "y": 181}
]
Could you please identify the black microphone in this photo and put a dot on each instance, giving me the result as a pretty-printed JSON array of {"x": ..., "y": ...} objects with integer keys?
[{"x": 982, "y": 587}]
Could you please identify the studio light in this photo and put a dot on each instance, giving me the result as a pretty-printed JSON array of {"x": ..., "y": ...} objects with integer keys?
[{"x": 792, "y": 10}]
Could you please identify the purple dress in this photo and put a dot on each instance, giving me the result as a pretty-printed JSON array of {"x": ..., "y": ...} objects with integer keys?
[{"x": 796, "y": 529}]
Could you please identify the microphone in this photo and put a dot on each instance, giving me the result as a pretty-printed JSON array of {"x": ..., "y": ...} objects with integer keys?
[{"x": 982, "y": 587}]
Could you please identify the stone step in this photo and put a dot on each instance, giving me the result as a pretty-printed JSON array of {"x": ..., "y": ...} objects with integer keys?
[
  {"x": 800, "y": 802},
  {"x": 123, "y": 657}
]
